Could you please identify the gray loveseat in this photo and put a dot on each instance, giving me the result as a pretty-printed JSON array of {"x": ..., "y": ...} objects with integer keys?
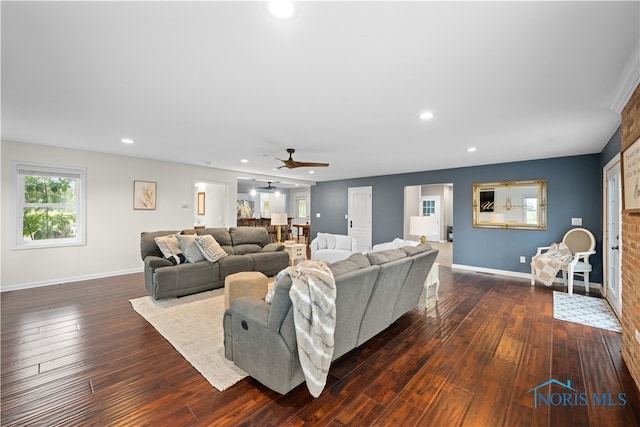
[
  {"x": 373, "y": 291},
  {"x": 248, "y": 249}
]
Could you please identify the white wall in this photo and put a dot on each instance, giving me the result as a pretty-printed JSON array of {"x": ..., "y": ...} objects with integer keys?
[{"x": 113, "y": 227}]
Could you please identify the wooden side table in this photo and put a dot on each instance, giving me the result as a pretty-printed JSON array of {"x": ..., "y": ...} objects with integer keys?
[
  {"x": 432, "y": 279},
  {"x": 296, "y": 251}
]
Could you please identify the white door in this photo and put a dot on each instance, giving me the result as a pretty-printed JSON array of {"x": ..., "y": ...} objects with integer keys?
[
  {"x": 430, "y": 206},
  {"x": 613, "y": 238},
  {"x": 359, "y": 216}
]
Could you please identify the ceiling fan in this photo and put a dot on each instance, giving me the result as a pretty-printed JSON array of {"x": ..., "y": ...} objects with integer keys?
[
  {"x": 292, "y": 164},
  {"x": 269, "y": 187}
]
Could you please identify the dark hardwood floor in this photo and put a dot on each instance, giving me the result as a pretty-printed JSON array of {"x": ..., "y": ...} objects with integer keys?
[{"x": 77, "y": 354}]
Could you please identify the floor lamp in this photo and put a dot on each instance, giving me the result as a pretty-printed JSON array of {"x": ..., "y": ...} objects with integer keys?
[{"x": 279, "y": 219}]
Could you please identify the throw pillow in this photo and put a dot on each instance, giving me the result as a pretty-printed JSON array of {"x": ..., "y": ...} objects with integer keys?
[
  {"x": 210, "y": 248},
  {"x": 343, "y": 243},
  {"x": 170, "y": 248},
  {"x": 331, "y": 240},
  {"x": 189, "y": 247},
  {"x": 322, "y": 241}
]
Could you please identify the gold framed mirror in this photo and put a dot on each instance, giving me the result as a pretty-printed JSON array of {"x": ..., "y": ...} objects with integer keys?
[{"x": 518, "y": 205}]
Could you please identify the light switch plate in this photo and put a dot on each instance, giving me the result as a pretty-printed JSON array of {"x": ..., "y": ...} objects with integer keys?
[{"x": 576, "y": 221}]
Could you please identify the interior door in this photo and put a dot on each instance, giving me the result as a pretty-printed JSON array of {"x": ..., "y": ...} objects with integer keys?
[
  {"x": 359, "y": 216},
  {"x": 430, "y": 206},
  {"x": 613, "y": 194}
]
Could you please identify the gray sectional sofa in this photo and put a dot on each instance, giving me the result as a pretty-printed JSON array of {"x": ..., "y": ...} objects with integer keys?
[
  {"x": 373, "y": 290},
  {"x": 248, "y": 249}
]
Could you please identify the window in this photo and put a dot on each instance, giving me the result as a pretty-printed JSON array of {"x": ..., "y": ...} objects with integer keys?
[
  {"x": 50, "y": 206},
  {"x": 302, "y": 208},
  {"x": 428, "y": 207}
]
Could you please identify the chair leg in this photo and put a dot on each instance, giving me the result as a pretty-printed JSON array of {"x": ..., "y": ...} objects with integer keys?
[
  {"x": 586, "y": 281},
  {"x": 533, "y": 276},
  {"x": 570, "y": 283}
]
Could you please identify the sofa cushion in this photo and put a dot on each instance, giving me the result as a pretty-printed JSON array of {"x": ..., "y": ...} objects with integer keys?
[
  {"x": 234, "y": 264},
  {"x": 354, "y": 262},
  {"x": 249, "y": 235},
  {"x": 269, "y": 263},
  {"x": 381, "y": 257},
  {"x": 221, "y": 235},
  {"x": 249, "y": 248},
  {"x": 273, "y": 247},
  {"x": 343, "y": 242},
  {"x": 211, "y": 249},
  {"x": 189, "y": 248},
  {"x": 412, "y": 250}
]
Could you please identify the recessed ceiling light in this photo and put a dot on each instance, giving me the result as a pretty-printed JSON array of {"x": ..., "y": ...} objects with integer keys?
[
  {"x": 427, "y": 115},
  {"x": 312, "y": 171},
  {"x": 127, "y": 140},
  {"x": 281, "y": 9},
  {"x": 244, "y": 161},
  {"x": 471, "y": 149}
]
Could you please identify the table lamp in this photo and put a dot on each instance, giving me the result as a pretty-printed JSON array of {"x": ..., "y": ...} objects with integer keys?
[{"x": 279, "y": 219}]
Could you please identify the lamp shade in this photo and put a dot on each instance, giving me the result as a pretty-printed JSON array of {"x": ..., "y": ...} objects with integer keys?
[
  {"x": 279, "y": 219},
  {"x": 423, "y": 225}
]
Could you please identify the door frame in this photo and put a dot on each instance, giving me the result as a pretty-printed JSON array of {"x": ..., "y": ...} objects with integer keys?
[{"x": 617, "y": 308}]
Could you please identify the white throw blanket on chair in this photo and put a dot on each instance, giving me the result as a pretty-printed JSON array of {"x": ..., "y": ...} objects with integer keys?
[
  {"x": 313, "y": 296},
  {"x": 547, "y": 264}
]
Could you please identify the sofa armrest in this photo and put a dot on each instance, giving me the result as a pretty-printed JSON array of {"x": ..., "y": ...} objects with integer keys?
[
  {"x": 254, "y": 310},
  {"x": 273, "y": 247},
  {"x": 152, "y": 262}
]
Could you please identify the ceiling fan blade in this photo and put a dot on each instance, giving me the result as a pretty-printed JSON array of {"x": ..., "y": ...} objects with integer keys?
[
  {"x": 273, "y": 157},
  {"x": 296, "y": 164}
]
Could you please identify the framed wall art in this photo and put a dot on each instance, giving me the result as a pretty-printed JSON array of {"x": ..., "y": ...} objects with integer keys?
[
  {"x": 631, "y": 178},
  {"x": 144, "y": 195}
]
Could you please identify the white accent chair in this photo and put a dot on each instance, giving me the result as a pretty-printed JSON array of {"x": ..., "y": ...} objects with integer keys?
[
  {"x": 332, "y": 247},
  {"x": 582, "y": 244}
]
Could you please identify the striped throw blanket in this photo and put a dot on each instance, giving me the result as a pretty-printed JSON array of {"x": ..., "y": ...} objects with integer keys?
[
  {"x": 313, "y": 296},
  {"x": 547, "y": 264}
]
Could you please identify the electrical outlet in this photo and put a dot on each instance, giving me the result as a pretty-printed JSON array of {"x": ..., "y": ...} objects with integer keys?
[
  {"x": 638, "y": 336},
  {"x": 522, "y": 260},
  {"x": 576, "y": 221}
]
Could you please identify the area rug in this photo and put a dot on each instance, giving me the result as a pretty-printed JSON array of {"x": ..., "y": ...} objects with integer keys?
[
  {"x": 193, "y": 326},
  {"x": 585, "y": 310}
]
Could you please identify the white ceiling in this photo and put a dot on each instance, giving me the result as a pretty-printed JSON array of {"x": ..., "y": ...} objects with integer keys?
[{"x": 343, "y": 82}]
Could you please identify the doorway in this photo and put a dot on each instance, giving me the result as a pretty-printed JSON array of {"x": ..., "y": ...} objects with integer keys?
[
  {"x": 436, "y": 199},
  {"x": 210, "y": 204},
  {"x": 613, "y": 237}
]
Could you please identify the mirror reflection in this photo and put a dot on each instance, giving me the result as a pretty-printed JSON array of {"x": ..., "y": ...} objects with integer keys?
[{"x": 510, "y": 204}]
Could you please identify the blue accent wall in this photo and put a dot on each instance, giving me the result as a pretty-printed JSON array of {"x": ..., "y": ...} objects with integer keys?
[{"x": 574, "y": 190}]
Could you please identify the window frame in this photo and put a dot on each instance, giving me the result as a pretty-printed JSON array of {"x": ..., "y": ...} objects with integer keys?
[{"x": 22, "y": 169}]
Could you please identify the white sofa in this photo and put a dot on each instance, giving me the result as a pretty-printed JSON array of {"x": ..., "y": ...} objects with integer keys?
[
  {"x": 332, "y": 247},
  {"x": 394, "y": 244}
]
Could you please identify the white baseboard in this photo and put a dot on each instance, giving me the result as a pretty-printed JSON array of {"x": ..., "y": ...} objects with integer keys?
[
  {"x": 19, "y": 286},
  {"x": 521, "y": 275}
]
